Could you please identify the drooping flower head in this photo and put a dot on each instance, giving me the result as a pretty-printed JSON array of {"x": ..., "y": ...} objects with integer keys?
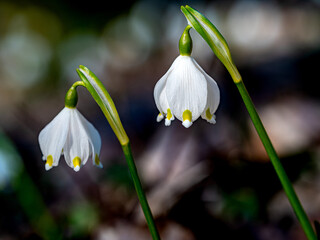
[
  {"x": 71, "y": 135},
  {"x": 186, "y": 91}
]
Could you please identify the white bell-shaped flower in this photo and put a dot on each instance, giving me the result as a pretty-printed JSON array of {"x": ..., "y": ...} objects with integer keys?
[
  {"x": 186, "y": 92},
  {"x": 70, "y": 134}
]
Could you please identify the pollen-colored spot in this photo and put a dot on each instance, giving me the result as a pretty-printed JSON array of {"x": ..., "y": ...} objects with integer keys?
[
  {"x": 49, "y": 160},
  {"x": 97, "y": 160},
  {"x": 208, "y": 114},
  {"x": 169, "y": 114},
  {"x": 76, "y": 162},
  {"x": 187, "y": 115}
]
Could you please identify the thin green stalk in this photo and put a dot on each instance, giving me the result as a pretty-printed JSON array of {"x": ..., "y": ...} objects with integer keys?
[
  {"x": 103, "y": 99},
  {"x": 220, "y": 48},
  {"x": 142, "y": 197},
  {"x": 287, "y": 186}
]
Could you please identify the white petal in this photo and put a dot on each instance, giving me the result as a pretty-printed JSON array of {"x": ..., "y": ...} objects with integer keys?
[
  {"x": 53, "y": 137},
  {"x": 213, "y": 98},
  {"x": 212, "y": 102},
  {"x": 77, "y": 143},
  {"x": 98, "y": 165},
  {"x": 186, "y": 89},
  {"x": 186, "y": 123},
  {"x": 93, "y": 137},
  {"x": 159, "y": 92},
  {"x": 48, "y": 167},
  {"x": 158, "y": 89},
  {"x": 167, "y": 122},
  {"x": 212, "y": 120},
  {"x": 76, "y": 168},
  {"x": 163, "y": 102},
  {"x": 213, "y": 95},
  {"x": 160, "y": 117}
]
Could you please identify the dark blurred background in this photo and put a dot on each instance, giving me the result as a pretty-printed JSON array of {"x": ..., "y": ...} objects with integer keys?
[{"x": 206, "y": 182}]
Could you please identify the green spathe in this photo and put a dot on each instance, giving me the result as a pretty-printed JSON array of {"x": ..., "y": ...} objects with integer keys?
[
  {"x": 214, "y": 39},
  {"x": 103, "y": 99}
]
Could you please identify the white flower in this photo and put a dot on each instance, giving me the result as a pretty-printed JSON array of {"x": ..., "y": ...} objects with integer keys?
[
  {"x": 186, "y": 92},
  {"x": 70, "y": 134}
]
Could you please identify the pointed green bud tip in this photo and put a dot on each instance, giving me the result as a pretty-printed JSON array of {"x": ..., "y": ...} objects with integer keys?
[
  {"x": 213, "y": 37},
  {"x": 185, "y": 42}
]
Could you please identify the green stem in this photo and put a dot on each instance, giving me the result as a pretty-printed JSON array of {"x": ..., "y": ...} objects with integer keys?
[
  {"x": 220, "y": 48},
  {"x": 287, "y": 186},
  {"x": 103, "y": 99},
  {"x": 142, "y": 197}
]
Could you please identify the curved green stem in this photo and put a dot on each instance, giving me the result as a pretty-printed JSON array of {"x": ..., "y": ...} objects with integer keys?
[
  {"x": 105, "y": 102},
  {"x": 71, "y": 98},
  {"x": 286, "y": 184},
  {"x": 142, "y": 197},
  {"x": 221, "y": 49},
  {"x": 103, "y": 99}
]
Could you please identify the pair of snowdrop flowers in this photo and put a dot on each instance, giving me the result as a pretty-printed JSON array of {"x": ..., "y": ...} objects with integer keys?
[{"x": 186, "y": 92}]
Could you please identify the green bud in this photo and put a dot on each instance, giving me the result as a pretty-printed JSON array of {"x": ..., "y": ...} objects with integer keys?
[
  {"x": 185, "y": 42},
  {"x": 214, "y": 39}
]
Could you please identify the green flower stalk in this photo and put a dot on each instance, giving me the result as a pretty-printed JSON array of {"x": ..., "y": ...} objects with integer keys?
[
  {"x": 220, "y": 48},
  {"x": 103, "y": 99},
  {"x": 71, "y": 135}
]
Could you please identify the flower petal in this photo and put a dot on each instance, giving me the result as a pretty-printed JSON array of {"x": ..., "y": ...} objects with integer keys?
[
  {"x": 213, "y": 98},
  {"x": 159, "y": 92},
  {"x": 160, "y": 117},
  {"x": 77, "y": 144},
  {"x": 187, "y": 119},
  {"x": 186, "y": 88},
  {"x": 53, "y": 137},
  {"x": 93, "y": 138},
  {"x": 213, "y": 101}
]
